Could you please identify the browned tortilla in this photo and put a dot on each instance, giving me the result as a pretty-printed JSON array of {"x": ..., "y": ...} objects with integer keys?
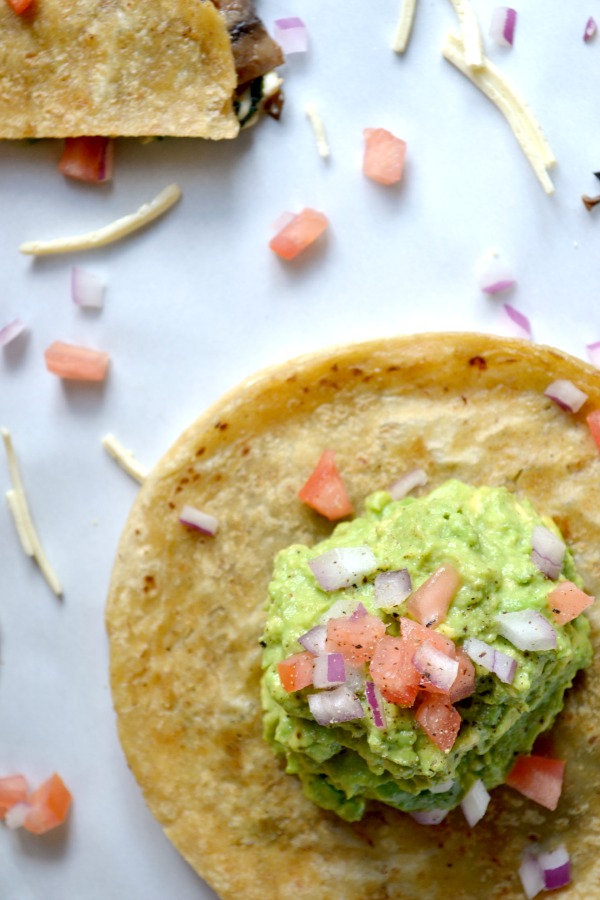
[
  {"x": 185, "y": 612},
  {"x": 116, "y": 67}
]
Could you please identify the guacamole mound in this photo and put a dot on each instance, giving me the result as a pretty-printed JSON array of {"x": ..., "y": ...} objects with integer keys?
[{"x": 485, "y": 533}]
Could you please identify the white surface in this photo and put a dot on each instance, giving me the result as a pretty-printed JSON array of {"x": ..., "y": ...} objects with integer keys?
[{"x": 198, "y": 301}]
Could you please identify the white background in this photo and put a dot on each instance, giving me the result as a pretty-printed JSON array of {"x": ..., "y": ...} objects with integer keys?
[{"x": 198, "y": 301}]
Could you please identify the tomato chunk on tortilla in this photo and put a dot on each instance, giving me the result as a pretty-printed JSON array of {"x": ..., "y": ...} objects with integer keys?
[
  {"x": 538, "y": 778},
  {"x": 325, "y": 490}
]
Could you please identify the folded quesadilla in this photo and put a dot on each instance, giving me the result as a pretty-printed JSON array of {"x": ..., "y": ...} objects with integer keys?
[
  {"x": 187, "y": 612},
  {"x": 131, "y": 68}
]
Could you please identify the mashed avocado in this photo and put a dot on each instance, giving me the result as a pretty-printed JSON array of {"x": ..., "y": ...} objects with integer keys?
[{"x": 485, "y": 533}]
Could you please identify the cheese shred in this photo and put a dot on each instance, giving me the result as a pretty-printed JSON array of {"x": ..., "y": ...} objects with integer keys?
[
  {"x": 124, "y": 458},
  {"x": 17, "y": 503},
  {"x": 404, "y": 27},
  {"x": 523, "y": 123},
  {"x": 115, "y": 231},
  {"x": 470, "y": 33},
  {"x": 318, "y": 129}
]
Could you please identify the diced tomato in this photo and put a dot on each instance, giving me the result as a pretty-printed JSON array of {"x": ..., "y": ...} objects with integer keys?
[
  {"x": 593, "y": 421},
  {"x": 50, "y": 806},
  {"x": 538, "y": 778},
  {"x": 296, "y": 672},
  {"x": 325, "y": 490},
  {"x": 384, "y": 156},
  {"x": 13, "y": 789},
  {"x": 354, "y": 637},
  {"x": 439, "y": 720},
  {"x": 430, "y": 603},
  {"x": 76, "y": 363},
  {"x": 417, "y": 633},
  {"x": 464, "y": 683},
  {"x": 566, "y": 601},
  {"x": 87, "y": 159},
  {"x": 299, "y": 233},
  {"x": 19, "y": 6},
  {"x": 393, "y": 672}
]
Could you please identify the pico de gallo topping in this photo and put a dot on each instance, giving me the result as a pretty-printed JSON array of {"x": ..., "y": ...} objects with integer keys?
[
  {"x": 404, "y": 650},
  {"x": 36, "y": 811}
]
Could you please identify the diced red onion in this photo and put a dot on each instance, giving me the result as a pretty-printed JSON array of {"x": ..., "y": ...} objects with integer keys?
[
  {"x": 355, "y": 677},
  {"x": 87, "y": 288},
  {"x": 501, "y": 664},
  {"x": 531, "y": 875},
  {"x": 16, "y": 815},
  {"x": 432, "y": 663},
  {"x": 480, "y": 652},
  {"x": 329, "y": 670},
  {"x": 343, "y": 606},
  {"x": 527, "y": 629},
  {"x": 199, "y": 520},
  {"x": 590, "y": 29},
  {"x": 342, "y": 566},
  {"x": 314, "y": 640},
  {"x": 375, "y": 704},
  {"x": 556, "y": 868},
  {"x": 429, "y": 816},
  {"x": 494, "y": 275},
  {"x": 360, "y": 612},
  {"x": 475, "y": 802},
  {"x": 392, "y": 588},
  {"x": 442, "y": 788},
  {"x": 518, "y": 322},
  {"x": 11, "y": 331},
  {"x": 566, "y": 395},
  {"x": 593, "y": 352},
  {"x": 502, "y": 28},
  {"x": 504, "y": 667},
  {"x": 406, "y": 483},
  {"x": 337, "y": 705},
  {"x": 291, "y": 35},
  {"x": 548, "y": 551}
]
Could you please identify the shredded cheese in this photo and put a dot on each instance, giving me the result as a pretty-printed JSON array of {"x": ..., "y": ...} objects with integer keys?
[
  {"x": 17, "y": 503},
  {"x": 318, "y": 129},
  {"x": 470, "y": 33},
  {"x": 20, "y": 521},
  {"x": 109, "y": 233},
  {"x": 518, "y": 115},
  {"x": 124, "y": 457},
  {"x": 404, "y": 26}
]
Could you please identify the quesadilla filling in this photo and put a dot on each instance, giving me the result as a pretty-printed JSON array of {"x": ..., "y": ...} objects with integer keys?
[
  {"x": 255, "y": 55},
  {"x": 413, "y": 656}
]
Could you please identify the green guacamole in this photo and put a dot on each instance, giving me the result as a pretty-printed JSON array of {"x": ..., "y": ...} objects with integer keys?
[{"x": 485, "y": 533}]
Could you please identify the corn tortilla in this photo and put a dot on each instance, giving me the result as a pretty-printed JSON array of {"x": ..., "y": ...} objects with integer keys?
[
  {"x": 185, "y": 612},
  {"x": 116, "y": 68}
]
